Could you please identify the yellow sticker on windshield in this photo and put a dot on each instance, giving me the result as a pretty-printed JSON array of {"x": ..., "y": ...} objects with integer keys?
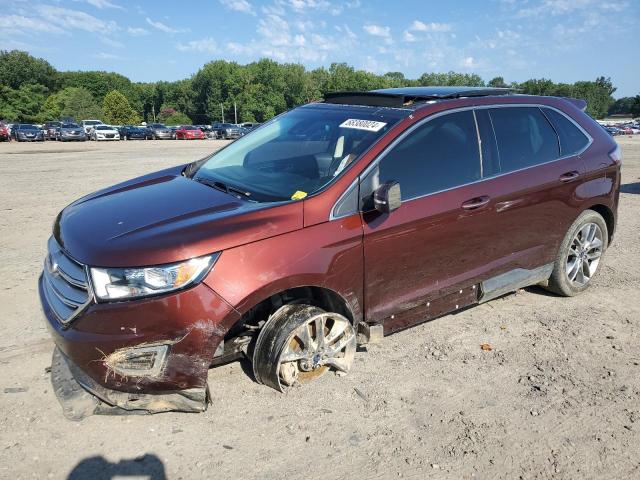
[{"x": 299, "y": 195}]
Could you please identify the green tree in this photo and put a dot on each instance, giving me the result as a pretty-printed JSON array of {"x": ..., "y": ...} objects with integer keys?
[
  {"x": 19, "y": 68},
  {"x": 497, "y": 82},
  {"x": 635, "y": 107},
  {"x": 71, "y": 102},
  {"x": 622, "y": 106},
  {"x": 22, "y": 104},
  {"x": 451, "y": 79},
  {"x": 117, "y": 110},
  {"x": 170, "y": 116},
  {"x": 80, "y": 104}
]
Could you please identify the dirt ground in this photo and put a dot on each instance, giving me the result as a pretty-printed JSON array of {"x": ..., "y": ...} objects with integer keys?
[{"x": 558, "y": 396}]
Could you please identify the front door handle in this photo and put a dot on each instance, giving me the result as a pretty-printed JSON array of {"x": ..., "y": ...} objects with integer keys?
[
  {"x": 569, "y": 176},
  {"x": 476, "y": 203}
]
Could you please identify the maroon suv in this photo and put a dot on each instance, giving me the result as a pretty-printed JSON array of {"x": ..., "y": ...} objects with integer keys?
[{"x": 331, "y": 225}]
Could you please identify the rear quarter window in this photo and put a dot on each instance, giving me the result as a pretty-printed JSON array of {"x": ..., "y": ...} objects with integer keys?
[
  {"x": 525, "y": 137},
  {"x": 572, "y": 140}
]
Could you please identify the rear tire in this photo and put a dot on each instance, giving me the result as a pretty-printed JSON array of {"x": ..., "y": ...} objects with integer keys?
[
  {"x": 300, "y": 343},
  {"x": 580, "y": 255}
]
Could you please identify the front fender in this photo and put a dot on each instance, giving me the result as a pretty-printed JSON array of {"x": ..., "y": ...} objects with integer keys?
[{"x": 327, "y": 255}]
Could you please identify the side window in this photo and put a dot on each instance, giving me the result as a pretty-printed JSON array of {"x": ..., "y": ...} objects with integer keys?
[
  {"x": 441, "y": 154},
  {"x": 572, "y": 140},
  {"x": 525, "y": 137}
]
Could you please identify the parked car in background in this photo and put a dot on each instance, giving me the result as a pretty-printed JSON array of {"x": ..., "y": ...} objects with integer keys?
[
  {"x": 27, "y": 132},
  {"x": 189, "y": 132},
  {"x": 207, "y": 130},
  {"x": 70, "y": 132},
  {"x": 130, "y": 132},
  {"x": 104, "y": 132},
  {"x": 88, "y": 125},
  {"x": 250, "y": 125},
  {"x": 50, "y": 130},
  {"x": 226, "y": 130},
  {"x": 5, "y": 134},
  {"x": 160, "y": 131}
]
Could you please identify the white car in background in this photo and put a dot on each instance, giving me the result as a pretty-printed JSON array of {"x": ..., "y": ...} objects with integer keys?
[
  {"x": 88, "y": 125},
  {"x": 104, "y": 132}
]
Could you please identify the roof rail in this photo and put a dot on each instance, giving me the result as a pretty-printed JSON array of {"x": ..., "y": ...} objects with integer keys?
[{"x": 400, "y": 97}]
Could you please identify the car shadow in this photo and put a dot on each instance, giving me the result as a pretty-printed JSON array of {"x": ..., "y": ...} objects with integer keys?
[
  {"x": 99, "y": 468},
  {"x": 630, "y": 188}
]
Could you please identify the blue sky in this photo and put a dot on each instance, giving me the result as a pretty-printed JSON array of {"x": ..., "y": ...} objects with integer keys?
[{"x": 565, "y": 40}]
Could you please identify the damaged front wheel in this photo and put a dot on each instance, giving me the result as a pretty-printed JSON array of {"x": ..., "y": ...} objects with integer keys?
[{"x": 300, "y": 343}]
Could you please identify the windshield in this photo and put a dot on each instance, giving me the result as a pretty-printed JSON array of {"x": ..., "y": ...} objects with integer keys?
[
  {"x": 27, "y": 127},
  {"x": 189, "y": 127},
  {"x": 103, "y": 127},
  {"x": 69, "y": 125},
  {"x": 298, "y": 153}
]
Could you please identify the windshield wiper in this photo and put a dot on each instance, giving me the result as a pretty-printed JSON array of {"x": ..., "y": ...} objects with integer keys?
[{"x": 223, "y": 187}]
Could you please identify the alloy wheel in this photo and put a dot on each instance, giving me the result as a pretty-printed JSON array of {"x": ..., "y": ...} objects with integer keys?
[
  {"x": 584, "y": 254},
  {"x": 324, "y": 341}
]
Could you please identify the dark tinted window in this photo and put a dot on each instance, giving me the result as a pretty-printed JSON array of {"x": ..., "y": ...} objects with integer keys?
[
  {"x": 572, "y": 140},
  {"x": 525, "y": 137},
  {"x": 441, "y": 154}
]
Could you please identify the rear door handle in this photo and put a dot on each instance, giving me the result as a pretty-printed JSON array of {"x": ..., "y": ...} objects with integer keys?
[
  {"x": 569, "y": 176},
  {"x": 476, "y": 203}
]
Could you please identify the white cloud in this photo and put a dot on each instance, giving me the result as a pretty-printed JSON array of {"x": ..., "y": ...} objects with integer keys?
[
  {"x": 564, "y": 7},
  {"x": 377, "y": 30},
  {"x": 137, "y": 31},
  {"x": 409, "y": 37},
  {"x": 106, "y": 56},
  {"x": 469, "y": 63},
  {"x": 164, "y": 27},
  {"x": 242, "y": 6},
  {"x": 294, "y": 41},
  {"x": 19, "y": 24},
  {"x": 102, "y": 4},
  {"x": 344, "y": 29},
  {"x": 205, "y": 45},
  {"x": 111, "y": 42},
  {"x": 418, "y": 26},
  {"x": 75, "y": 20}
]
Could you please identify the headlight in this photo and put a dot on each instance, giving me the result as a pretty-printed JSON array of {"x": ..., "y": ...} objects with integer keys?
[{"x": 126, "y": 283}]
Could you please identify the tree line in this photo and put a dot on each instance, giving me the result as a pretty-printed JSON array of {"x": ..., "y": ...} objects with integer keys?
[{"x": 32, "y": 90}]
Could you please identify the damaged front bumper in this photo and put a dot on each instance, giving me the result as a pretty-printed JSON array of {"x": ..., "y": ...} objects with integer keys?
[
  {"x": 81, "y": 396},
  {"x": 146, "y": 356}
]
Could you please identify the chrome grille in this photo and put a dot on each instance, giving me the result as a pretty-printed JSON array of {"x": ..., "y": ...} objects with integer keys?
[{"x": 65, "y": 284}]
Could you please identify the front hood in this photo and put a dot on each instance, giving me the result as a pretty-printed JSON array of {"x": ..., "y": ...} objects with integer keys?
[{"x": 164, "y": 217}]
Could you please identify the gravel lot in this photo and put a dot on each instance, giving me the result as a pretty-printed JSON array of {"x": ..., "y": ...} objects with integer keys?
[{"x": 557, "y": 396}]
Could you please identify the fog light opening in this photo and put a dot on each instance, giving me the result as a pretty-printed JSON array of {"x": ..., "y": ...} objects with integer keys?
[{"x": 145, "y": 361}]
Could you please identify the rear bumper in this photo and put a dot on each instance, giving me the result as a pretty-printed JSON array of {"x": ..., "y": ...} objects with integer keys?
[{"x": 164, "y": 135}]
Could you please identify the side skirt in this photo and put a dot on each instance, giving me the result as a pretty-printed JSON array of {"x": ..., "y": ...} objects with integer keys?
[{"x": 513, "y": 280}]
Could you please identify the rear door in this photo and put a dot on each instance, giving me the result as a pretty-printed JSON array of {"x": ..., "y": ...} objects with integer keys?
[{"x": 531, "y": 183}]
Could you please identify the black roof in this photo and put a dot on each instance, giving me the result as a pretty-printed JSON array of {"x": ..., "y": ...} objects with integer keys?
[{"x": 404, "y": 96}]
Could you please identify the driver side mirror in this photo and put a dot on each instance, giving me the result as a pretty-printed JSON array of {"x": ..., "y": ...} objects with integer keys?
[{"x": 387, "y": 197}]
